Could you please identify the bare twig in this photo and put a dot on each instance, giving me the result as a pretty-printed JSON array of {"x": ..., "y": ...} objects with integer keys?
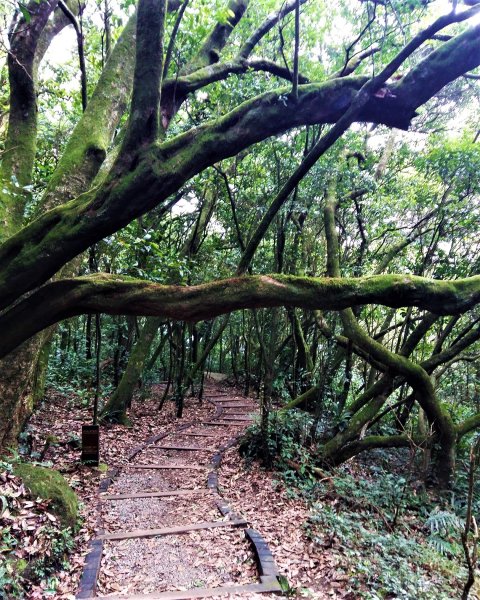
[
  {"x": 81, "y": 51},
  {"x": 297, "y": 49},
  {"x": 173, "y": 36},
  {"x": 471, "y": 529}
]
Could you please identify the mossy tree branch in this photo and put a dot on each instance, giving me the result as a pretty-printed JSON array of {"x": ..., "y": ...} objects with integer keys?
[
  {"x": 396, "y": 364},
  {"x": 59, "y": 235},
  {"x": 88, "y": 144},
  {"x": 358, "y": 102},
  {"x": 20, "y": 144},
  {"x": 371, "y": 442},
  {"x": 118, "y": 295},
  {"x": 144, "y": 122},
  {"x": 214, "y": 43}
]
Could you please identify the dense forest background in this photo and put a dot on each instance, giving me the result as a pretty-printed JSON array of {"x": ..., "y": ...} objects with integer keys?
[{"x": 286, "y": 193}]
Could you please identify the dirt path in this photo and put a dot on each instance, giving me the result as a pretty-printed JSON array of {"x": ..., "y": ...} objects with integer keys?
[{"x": 165, "y": 531}]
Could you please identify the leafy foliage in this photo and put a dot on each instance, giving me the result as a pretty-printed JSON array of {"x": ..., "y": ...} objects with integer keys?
[
  {"x": 33, "y": 542},
  {"x": 355, "y": 516}
]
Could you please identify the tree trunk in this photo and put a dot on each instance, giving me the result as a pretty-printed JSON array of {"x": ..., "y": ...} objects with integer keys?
[
  {"x": 115, "y": 411},
  {"x": 21, "y": 385},
  {"x": 444, "y": 469},
  {"x": 22, "y": 371}
]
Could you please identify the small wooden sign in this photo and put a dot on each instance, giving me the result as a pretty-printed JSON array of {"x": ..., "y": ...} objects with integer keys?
[{"x": 91, "y": 444}]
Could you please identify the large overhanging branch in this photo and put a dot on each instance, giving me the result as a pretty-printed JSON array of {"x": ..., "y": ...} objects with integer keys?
[
  {"x": 356, "y": 107},
  {"x": 176, "y": 89},
  {"x": 29, "y": 258},
  {"x": 119, "y": 295},
  {"x": 423, "y": 81}
]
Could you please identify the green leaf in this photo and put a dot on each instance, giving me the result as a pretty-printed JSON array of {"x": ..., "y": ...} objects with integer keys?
[{"x": 25, "y": 12}]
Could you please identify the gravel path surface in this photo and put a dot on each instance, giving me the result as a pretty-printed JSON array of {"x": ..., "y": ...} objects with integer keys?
[
  {"x": 205, "y": 558},
  {"x": 154, "y": 513},
  {"x": 130, "y": 482},
  {"x": 177, "y": 562}
]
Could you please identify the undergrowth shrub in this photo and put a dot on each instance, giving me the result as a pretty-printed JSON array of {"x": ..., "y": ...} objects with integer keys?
[
  {"x": 283, "y": 440},
  {"x": 34, "y": 542},
  {"x": 383, "y": 529}
]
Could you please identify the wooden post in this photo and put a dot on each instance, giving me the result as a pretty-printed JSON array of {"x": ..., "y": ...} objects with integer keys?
[{"x": 91, "y": 444}]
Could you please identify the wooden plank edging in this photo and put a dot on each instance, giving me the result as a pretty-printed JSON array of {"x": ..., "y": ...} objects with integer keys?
[
  {"x": 265, "y": 561},
  {"x": 91, "y": 568},
  {"x": 267, "y": 586},
  {"x": 156, "y": 494},
  {"x": 143, "y": 533},
  {"x": 264, "y": 558}
]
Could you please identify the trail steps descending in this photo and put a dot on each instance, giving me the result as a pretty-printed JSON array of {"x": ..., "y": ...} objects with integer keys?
[{"x": 156, "y": 538}]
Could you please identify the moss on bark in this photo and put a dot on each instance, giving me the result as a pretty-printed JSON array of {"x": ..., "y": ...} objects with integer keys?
[
  {"x": 50, "y": 485},
  {"x": 114, "y": 294},
  {"x": 115, "y": 411},
  {"x": 160, "y": 173}
]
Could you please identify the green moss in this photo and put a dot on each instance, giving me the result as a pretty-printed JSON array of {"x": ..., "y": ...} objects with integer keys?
[
  {"x": 19, "y": 566},
  {"x": 50, "y": 485}
]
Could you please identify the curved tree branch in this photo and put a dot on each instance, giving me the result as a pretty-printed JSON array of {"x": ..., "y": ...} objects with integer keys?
[
  {"x": 120, "y": 295},
  {"x": 176, "y": 89},
  {"x": 162, "y": 169},
  {"x": 355, "y": 108}
]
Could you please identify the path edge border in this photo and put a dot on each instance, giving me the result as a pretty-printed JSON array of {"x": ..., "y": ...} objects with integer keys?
[
  {"x": 266, "y": 565},
  {"x": 87, "y": 586}
]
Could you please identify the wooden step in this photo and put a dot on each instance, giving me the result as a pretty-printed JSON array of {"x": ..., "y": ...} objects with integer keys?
[
  {"x": 156, "y": 494},
  {"x": 187, "y": 448},
  {"x": 143, "y": 533},
  {"x": 248, "y": 588},
  {"x": 198, "y": 434},
  {"x": 235, "y": 418},
  {"x": 250, "y": 406},
  {"x": 188, "y": 467},
  {"x": 227, "y": 421},
  {"x": 234, "y": 399},
  {"x": 217, "y": 424}
]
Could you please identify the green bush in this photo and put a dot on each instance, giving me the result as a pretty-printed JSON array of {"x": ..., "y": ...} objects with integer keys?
[{"x": 284, "y": 439}]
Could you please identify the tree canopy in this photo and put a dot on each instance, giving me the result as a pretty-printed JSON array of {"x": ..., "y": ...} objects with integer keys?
[{"x": 328, "y": 157}]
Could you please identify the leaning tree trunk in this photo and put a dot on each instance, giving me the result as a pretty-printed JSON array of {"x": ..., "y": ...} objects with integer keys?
[
  {"x": 115, "y": 411},
  {"x": 22, "y": 371},
  {"x": 21, "y": 374}
]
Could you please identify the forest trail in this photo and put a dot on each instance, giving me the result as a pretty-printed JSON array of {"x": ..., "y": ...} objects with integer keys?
[{"x": 164, "y": 529}]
